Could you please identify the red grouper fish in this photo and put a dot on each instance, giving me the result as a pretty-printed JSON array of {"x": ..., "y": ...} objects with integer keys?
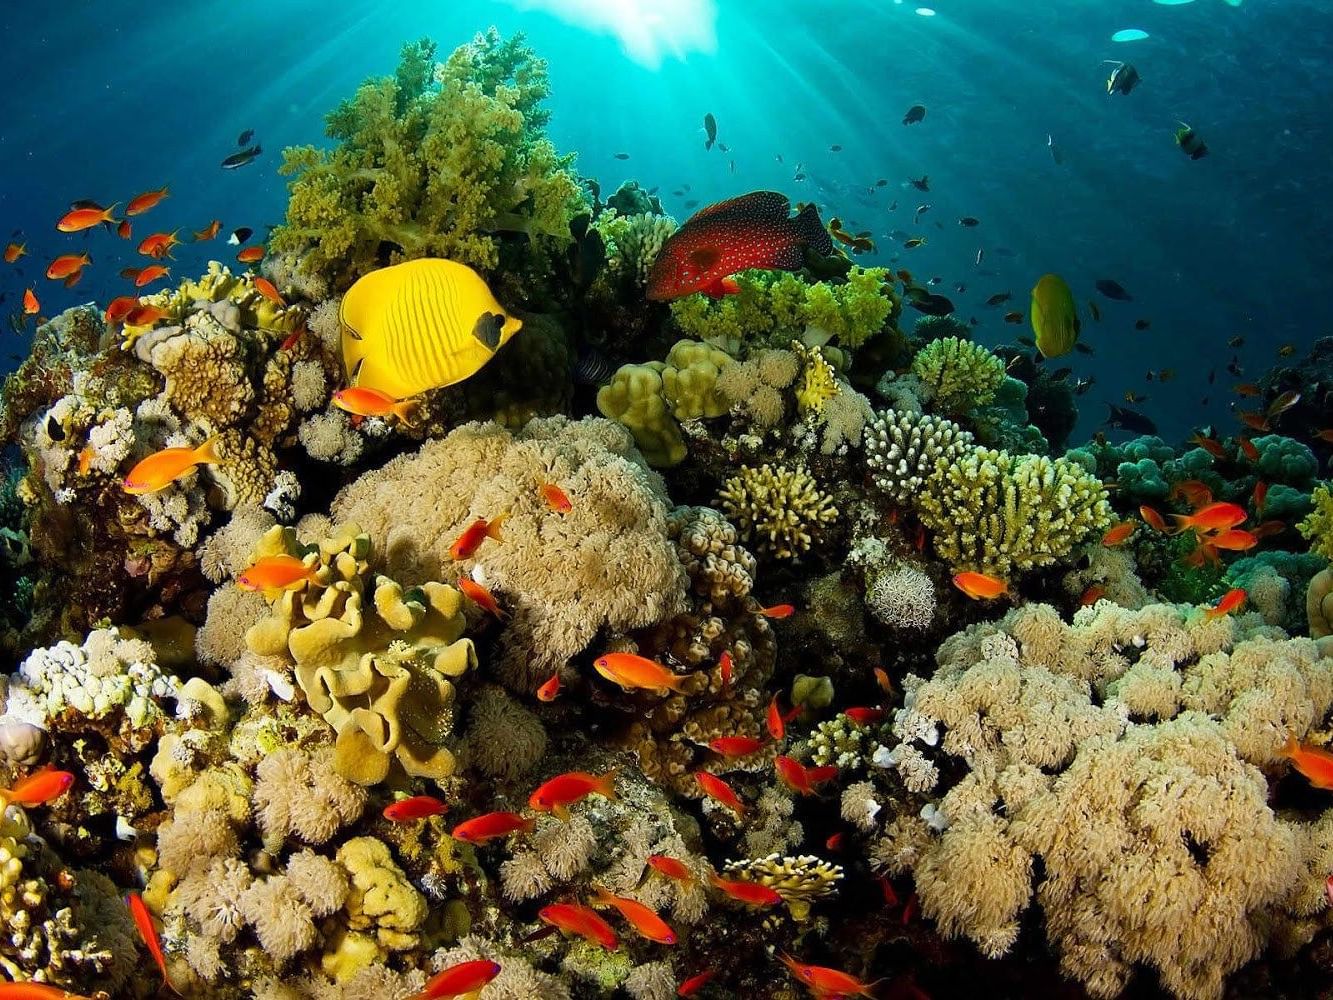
[{"x": 753, "y": 230}]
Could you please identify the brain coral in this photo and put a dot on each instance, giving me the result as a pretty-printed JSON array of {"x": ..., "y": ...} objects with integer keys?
[{"x": 607, "y": 563}]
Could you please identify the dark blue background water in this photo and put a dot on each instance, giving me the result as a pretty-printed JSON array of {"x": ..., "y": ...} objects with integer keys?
[{"x": 105, "y": 100}]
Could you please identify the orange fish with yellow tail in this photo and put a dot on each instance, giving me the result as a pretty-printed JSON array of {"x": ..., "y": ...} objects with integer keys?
[
  {"x": 474, "y": 534},
  {"x": 162, "y": 468},
  {"x": 633, "y": 672},
  {"x": 275, "y": 573},
  {"x": 564, "y": 790},
  {"x": 366, "y": 402},
  {"x": 37, "y": 789},
  {"x": 1316, "y": 763}
]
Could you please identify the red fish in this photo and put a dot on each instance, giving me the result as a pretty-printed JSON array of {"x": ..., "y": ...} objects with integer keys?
[
  {"x": 1231, "y": 601},
  {"x": 416, "y": 807},
  {"x": 549, "y": 690},
  {"x": 724, "y": 669},
  {"x": 555, "y": 498},
  {"x": 462, "y": 980},
  {"x": 274, "y": 573},
  {"x": 14, "y": 251},
  {"x": 476, "y": 533},
  {"x": 38, "y": 788},
  {"x": 825, "y": 983},
  {"x": 145, "y": 315},
  {"x": 124, "y": 230},
  {"x": 697, "y": 982},
  {"x": 798, "y": 777},
  {"x": 145, "y": 201},
  {"x": 78, "y": 219},
  {"x": 251, "y": 255},
  {"x": 980, "y": 587},
  {"x": 633, "y": 672},
  {"x": 1092, "y": 595},
  {"x": 1194, "y": 492},
  {"x": 1234, "y": 540},
  {"x": 36, "y": 991},
  {"x": 778, "y": 611},
  {"x": 1254, "y": 421},
  {"x": 735, "y": 746},
  {"x": 209, "y": 231},
  {"x": 753, "y": 230},
  {"x": 31, "y": 307},
  {"x": 719, "y": 791},
  {"x": 1152, "y": 519},
  {"x": 1208, "y": 444},
  {"x": 671, "y": 867},
  {"x": 120, "y": 307},
  {"x": 574, "y": 918},
  {"x": 864, "y": 716},
  {"x": 1119, "y": 534},
  {"x": 1260, "y": 495},
  {"x": 1214, "y": 517},
  {"x": 775, "y": 721},
  {"x": 490, "y": 827},
  {"x": 149, "y": 274},
  {"x": 267, "y": 289},
  {"x": 1247, "y": 448},
  {"x": 1316, "y": 763},
  {"x": 292, "y": 339},
  {"x": 480, "y": 596},
  {"x": 643, "y": 919},
  {"x": 564, "y": 790},
  {"x": 882, "y": 679},
  {"x": 750, "y": 893},
  {"x": 67, "y": 264},
  {"x": 144, "y": 921},
  {"x": 835, "y": 841},
  {"x": 158, "y": 245},
  {"x": 363, "y": 401}
]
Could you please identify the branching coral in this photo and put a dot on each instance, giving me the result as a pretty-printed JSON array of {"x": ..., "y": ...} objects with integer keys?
[
  {"x": 903, "y": 450},
  {"x": 958, "y": 374},
  {"x": 607, "y": 563},
  {"x": 780, "y": 510},
  {"x": 431, "y": 164}
]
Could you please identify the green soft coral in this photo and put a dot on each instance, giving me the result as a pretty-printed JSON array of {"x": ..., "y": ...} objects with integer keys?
[
  {"x": 959, "y": 374},
  {"x": 433, "y": 161},
  {"x": 773, "y": 307},
  {"x": 1318, "y": 524}
]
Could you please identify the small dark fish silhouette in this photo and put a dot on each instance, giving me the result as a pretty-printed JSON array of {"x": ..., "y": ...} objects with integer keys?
[
  {"x": 1235, "y": 342},
  {"x": 1083, "y": 348},
  {"x": 835, "y": 148},
  {"x": 1122, "y": 80},
  {"x": 1113, "y": 290},
  {"x": 1142, "y": 324},
  {"x": 915, "y": 113},
  {"x": 724, "y": 147},
  {"x": 1191, "y": 143},
  {"x": 1083, "y": 385},
  {"x": 931, "y": 304},
  {"x": 240, "y": 159},
  {"x": 621, "y": 156},
  {"x": 1129, "y": 420},
  {"x": 245, "y": 137},
  {"x": 1013, "y": 317},
  {"x": 922, "y": 184},
  {"x": 881, "y": 183},
  {"x": 967, "y": 222},
  {"x": 1096, "y": 312},
  {"x": 998, "y": 298},
  {"x": 710, "y": 129}
]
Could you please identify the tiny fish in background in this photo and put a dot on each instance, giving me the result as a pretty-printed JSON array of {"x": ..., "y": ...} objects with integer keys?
[
  {"x": 142, "y": 203},
  {"x": 710, "y": 130},
  {"x": 1113, "y": 290},
  {"x": 14, "y": 251},
  {"x": 915, "y": 114},
  {"x": 209, "y": 231},
  {"x": 245, "y": 137},
  {"x": 1190, "y": 142},
  {"x": 236, "y": 160},
  {"x": 698, "y": 981},
  {"x": 921, "y": 183}
]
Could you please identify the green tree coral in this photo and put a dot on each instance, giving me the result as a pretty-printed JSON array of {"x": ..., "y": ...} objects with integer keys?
[
  {"x": 433, "y": 160},
  {"x": 1318, "y": 524},
  {"x": 772, "y": 307},
  {"x": 961, "y": 375}
]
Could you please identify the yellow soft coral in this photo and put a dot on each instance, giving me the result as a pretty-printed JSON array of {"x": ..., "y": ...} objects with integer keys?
[{"x": 818, "y": 383}]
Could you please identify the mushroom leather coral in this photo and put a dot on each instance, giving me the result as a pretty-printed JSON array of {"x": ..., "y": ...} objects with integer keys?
[{"x": 375, "y": 661}]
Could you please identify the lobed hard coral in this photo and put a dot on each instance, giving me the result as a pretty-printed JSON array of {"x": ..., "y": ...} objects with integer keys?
[
  {"x": 780, "y": 510},
  {"x": 435, "y": 162},
  {"x": 606, "y": 564},
  {"x": 958, "y": 375}
]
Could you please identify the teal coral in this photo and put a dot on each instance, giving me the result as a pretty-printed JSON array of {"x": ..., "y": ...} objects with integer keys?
[
  {"x": 433, "y": 162},
  {"x": 959, "y": 374},
  {"x": 1285, "y": 460}
]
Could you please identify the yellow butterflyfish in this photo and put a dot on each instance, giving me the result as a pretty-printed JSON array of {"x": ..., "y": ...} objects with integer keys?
[
  {"x": 1054, "y": 317},
  {"x": 420, "y": 325}
]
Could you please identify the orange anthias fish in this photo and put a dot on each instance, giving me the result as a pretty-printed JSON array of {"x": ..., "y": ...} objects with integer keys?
[
  {"x": 476, "y": 533},
  {"x": 158, "y": 245},
  {"x": 643, "y": 919},
  {"x": 86, "y": 455},
  {"x": 864, "y": 716},
  {"x": 1254, "y": 421},
  {"x": 1194, "y": 492},
  {"x": 1231, "y": 601},
  {"x": 491, "y": 826},
  {"x": 144, "y": 921},
  {"x": 14, "y": 251},
  {"x": 550, "y": 689},
  {"x": 78, "y": 219},
  {"x": 1247, "y": 448},
  {"x": 1211, "y": 445},
  {"x": 799, "y": 778},
  {"x": 1119, "y": 534},
  {"x": 1235, "y": 540},
  {"x": 480, "y": 596},
  {"x": 162, "y": 468},
  {"x": 774, "y": 721},
  {"x": 36, "y": 991},
  {"x": 120, "y": 307},
  {"x": 695, "y": 983},
  {"x": 367, "y": 402},
  {"x": 209, "y": 231},
  {"x": 633, "y": 672},
  {"x": 825, "y": 983},
  {"x": 124, "y": 230},
  {"x": 1315, "y": 763},
  {"x": 1259, "y": 496},
  {"x": 778, "y": 611},
  {"x": 555, "y": 498},
  {"x": 1092, "y": 595},
  {"x": 145, "y": 315},
  {"x": 1269, "y": 528},
  {"x": 565, "y": 790},
  {"x": 671, "y": 867},
  {"x": 1214, "y": 517},
  {"x": 980, "y": 587},
  {"x": 416, "y": 807},
  {"x": 275, "y": 573},
  {"x": 458, "y": 981},
  {"x": 38, "y": 788},
  {"x": 719, "y": 791},
  {"x": 251, "y": 255},
  {"x": 142, "y": 203},
  {"x": 574, "y": 918},
  {"x": 750, "y": 893},
  {"x": 269, "y": 290},
  {"x": 753, "y": 230},
  {"x": 1151, "y": 518},
  {"x": 1282, "y": 404},
  {"x": 31, "y": 307},
  {"x": 724, "y": 666},
  {"x": 149, "y": 274},
  {"x": 735, "y": 746},
  {"x": 67, "y": 264}
]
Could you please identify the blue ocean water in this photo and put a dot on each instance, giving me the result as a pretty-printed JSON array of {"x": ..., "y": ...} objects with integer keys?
[{"x": 105, "y": 100}]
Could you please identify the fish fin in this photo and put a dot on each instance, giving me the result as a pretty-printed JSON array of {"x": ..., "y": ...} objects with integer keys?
[
  {"x": 606, "y": 784},
  {"x": 1290, "y": 747},
  {"x": 408, "y": 410},
  {"x": 496, "y": 523},
  {"x": 487, "y": 329},
  {"x": 561, "y": 813},
  {"x": 747, "y": 207},
  {"x": 810, "y": 231},
  {"x": 207, "y": 453}
]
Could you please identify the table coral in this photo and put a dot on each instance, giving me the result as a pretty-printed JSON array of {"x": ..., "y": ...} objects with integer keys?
[
  {"x": 606, "y": 564},
  {"x": 433, "y": 163},
  {"x": 781, "y": 510},
  {"x": 375, "y": 661}
]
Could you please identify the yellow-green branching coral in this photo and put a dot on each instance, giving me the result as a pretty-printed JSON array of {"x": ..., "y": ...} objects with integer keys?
[
  {"x": 996, "y": 513},
  {"x": 960, "y": 375},
  {"x": 779, "y": 510},
  {"x": 1318, "y": 524},
  {"x": 433, "y": 163}
]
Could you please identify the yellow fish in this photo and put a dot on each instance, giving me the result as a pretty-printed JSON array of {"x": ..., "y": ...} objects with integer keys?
[
  {"x": 420, "y": 325},
  {"x": 1054, "y": 316},
  {"x": 162, "y": 468}
]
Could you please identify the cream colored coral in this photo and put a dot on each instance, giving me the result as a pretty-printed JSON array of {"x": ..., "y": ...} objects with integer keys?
[
  {"x": 381, "y": 901},
  {"x": 779, "y": 509}
]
